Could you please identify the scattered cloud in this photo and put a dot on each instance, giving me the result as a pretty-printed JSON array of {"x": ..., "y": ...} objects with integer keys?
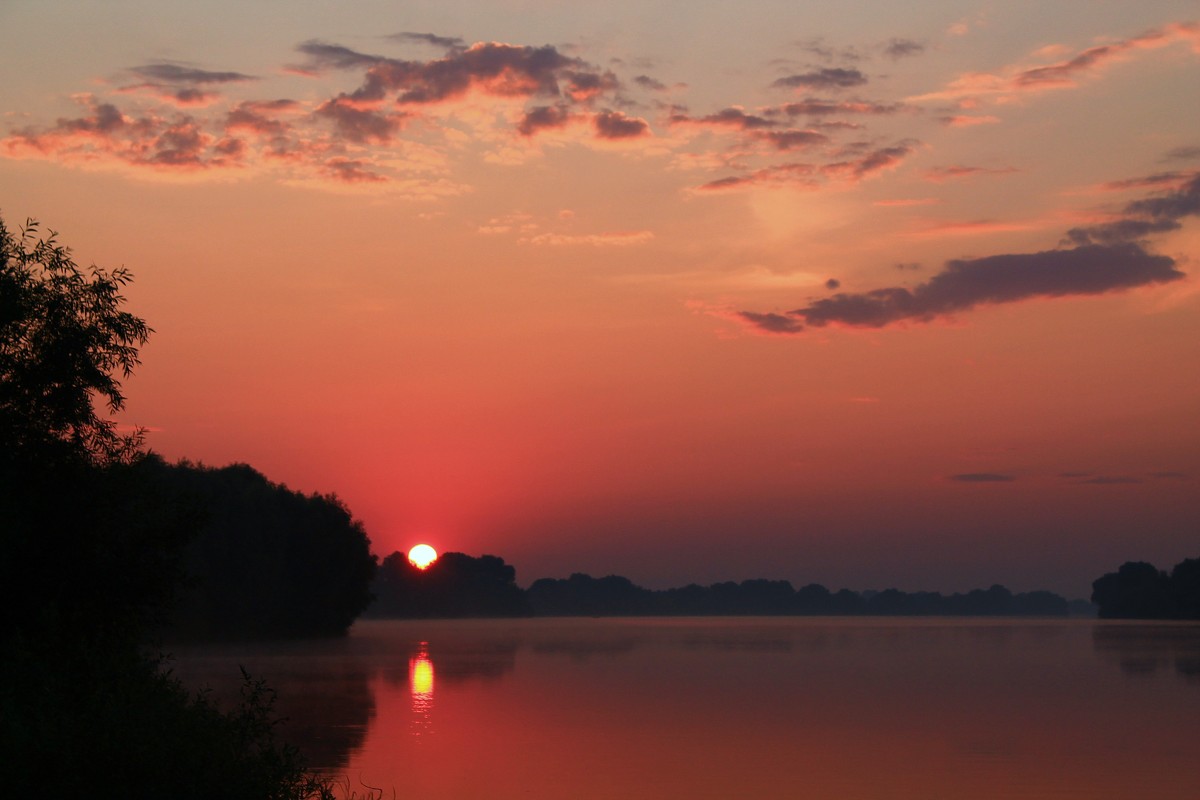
[
  {"x": 1172, "y": 179},
  {"x": 543, "y": 118},
  {"x": 646, "y": 82},
  {"x": 825, "y": 79},
  {"x": 982, "y": 477},
  {"x": 1158, "y": 213},
  {"x": 167, "y": 72},
  {"x": 1185, "y": 153},
  {"x": 965, "y": 284},
  {"x": 444, "y": 42},
  {"x": 615, "y": 125},
  {"x": 735, "y": 118},
  {"x": 787, "y": 141},
  {"x": 967, "y": 120},
  {"x": 902, "y": 48},
  {"x": 817, "y": 107},
  {"x": 958, "y": 171},
  {"x": 809, "y": 175},
  {"x": 1064, "y": 73}
]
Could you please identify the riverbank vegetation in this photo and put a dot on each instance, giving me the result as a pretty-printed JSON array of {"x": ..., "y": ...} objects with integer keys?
[{"x": 93, "y": 545}]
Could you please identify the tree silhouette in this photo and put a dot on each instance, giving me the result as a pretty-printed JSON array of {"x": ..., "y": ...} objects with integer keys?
[
  {"x": 90, "y": 549},
  {"x": 64, "y": 341}
]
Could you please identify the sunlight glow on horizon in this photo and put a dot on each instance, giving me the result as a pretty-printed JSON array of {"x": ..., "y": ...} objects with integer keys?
[{"x": 422, "y": 556}]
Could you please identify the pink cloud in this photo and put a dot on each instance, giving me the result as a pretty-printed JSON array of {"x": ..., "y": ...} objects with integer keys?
[
  {"x": 958, "y": 171},
  {"x": 1068, "y": 72}
]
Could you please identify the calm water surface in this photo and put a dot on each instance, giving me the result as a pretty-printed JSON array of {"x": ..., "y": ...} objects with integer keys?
[{"x": 732, "y": 708}]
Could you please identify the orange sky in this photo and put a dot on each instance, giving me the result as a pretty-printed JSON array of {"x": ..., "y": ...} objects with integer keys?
[{"x": 864, "y": 296}]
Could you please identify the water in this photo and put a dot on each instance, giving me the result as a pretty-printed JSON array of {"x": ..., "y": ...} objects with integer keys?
[{"x": 747, "y": 707}]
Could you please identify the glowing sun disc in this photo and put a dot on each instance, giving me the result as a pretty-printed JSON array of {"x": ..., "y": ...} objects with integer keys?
[{"x": 422, "y": 556}]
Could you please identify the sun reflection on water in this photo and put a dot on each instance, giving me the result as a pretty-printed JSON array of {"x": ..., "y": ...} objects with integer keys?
[{"x": 420, "y": 681}]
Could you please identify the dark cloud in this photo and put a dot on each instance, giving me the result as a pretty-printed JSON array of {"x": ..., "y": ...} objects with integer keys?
[
  {"x": 1144, "y": 181},
  {"x": 582, "y": 86},
  {"x": 350, "y": 170},
  {"x": 493, "y": 68},
  {"x": 906, "y": 266},
  {"x": 965, "y": 284},
  {"x": 826, "y": 52},
  {"x": 833, "y": 283},
  {"x": 793, "y": 140},
  {"x": 257, "y": 116},
  {"x": 357, "y": 124},
  {"x": 165, "y": 72},
  {"x": 813, "y": 107},
  {"x": 982, "y": 477},
  {"x": 1122, "y": 230},
  {"x": 646, "y": 82},
  {"x": 106, "y": 118},
  {"x": 785, "y": 174},
  {"x": 875, "y": 161},
  {"x": 1111, "y": 480},
  {"x": 615, "y": 125},
  {"x": 727, "y": 118},
  {"x": 180, "y": 145},
  {"x": 444, "y": 42},
  {"x": 827, "y": 79},
  {"x": 1184, "y": 202},
  {"x": 1186, "y": 153},
  {"x": 902, "y": 48},
  {"x": 543, "y": 118},
  {"x": 771, "y": 323},
  {"x": 323, "y": 55},
  {"x": 498, "y": 69},
  {"x": 1156, "y": 214}
]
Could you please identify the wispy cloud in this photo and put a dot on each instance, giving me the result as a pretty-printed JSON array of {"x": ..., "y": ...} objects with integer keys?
[
  {"x": 982, "y": 477},
  {"x": 826, "y": 79},
  {"x": 1104, "y": 259},
  {"x": 1065, "y": 73}
]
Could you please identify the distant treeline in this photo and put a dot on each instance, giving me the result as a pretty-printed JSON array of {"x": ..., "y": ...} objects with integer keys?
[
  {"x": 583, "y": 595},
  {"x": 458, "y": 585},
  {"x": 1138, "y": 590}
]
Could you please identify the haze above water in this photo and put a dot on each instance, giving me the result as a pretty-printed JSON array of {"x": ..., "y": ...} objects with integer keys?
[{"x": 748, "y": 707}]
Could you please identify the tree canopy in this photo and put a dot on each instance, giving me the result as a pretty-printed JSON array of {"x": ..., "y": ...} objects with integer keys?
[{"x": 65, "y": 342}]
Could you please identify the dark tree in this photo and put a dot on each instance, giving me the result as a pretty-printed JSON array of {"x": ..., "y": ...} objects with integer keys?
[
  {"x": 1185, "y": 588},
  {"x": 90, "y": 548},
  {"x": 64, "y": 342},
  {"x": 1137, "y": 590},
  {"x": 267, "y": 562},
  {"x": 455, "y": 585}
]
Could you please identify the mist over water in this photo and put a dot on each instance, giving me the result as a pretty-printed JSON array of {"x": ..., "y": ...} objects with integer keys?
[{"x": 751, "y": 707}]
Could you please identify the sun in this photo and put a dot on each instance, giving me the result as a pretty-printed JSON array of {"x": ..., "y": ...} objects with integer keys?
[{"x": 422, "y": 556}]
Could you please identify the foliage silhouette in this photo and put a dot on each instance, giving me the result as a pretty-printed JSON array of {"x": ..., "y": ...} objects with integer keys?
[
  {"x": 64, "y": 340},
  {"x": 92, "y": 545},
  {"x": 583, "y": 595},
  {"x": 1138, "y": 590},
  {"x": 455, "y": 585},
  {"x": 266, "y": 562}
]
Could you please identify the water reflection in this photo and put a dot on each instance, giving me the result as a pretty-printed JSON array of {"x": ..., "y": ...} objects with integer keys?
[
  {"x": 1144, "y": 648},
  {"x": 420, "y": 680},
  {"x": 765, "y": 708}
]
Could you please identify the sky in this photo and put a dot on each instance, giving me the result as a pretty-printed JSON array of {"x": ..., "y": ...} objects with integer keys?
[{"x": 869, "y": 294}]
